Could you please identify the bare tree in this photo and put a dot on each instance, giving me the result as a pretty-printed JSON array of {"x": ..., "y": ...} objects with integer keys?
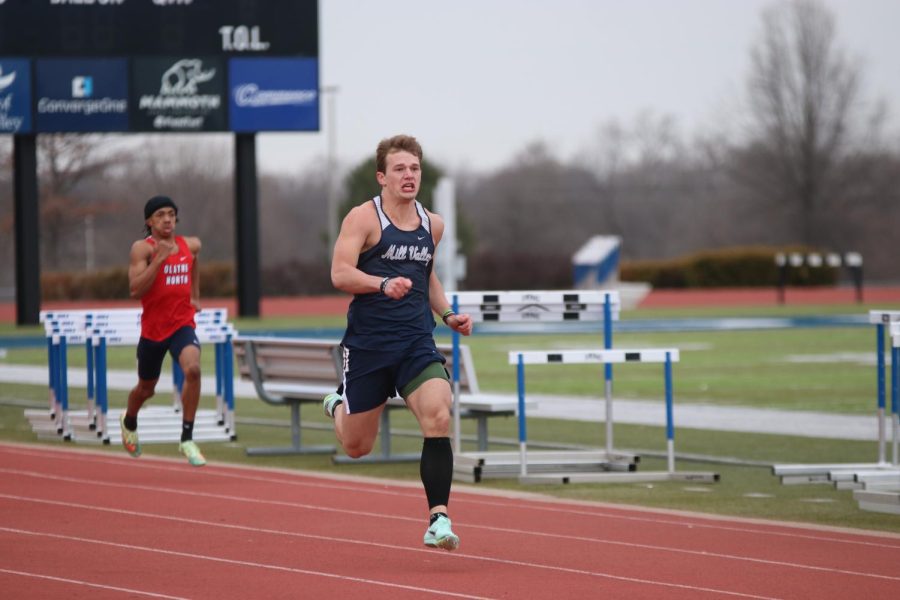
[
  {"x": 804, "y": 95},
  {"x": 66, "y": 163}
]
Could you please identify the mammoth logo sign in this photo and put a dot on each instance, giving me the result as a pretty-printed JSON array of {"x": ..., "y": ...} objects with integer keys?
[{"x": 183, "y": 94}]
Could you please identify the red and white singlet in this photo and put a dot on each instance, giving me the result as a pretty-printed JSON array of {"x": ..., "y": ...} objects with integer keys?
[{"x": 167, "y": 304}]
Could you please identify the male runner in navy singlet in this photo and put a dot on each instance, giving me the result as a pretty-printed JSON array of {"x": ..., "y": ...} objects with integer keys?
[{"x": 384, "y": 256}]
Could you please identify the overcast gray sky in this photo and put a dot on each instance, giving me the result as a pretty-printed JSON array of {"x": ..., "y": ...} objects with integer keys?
[{"x": 477, "y": 80}]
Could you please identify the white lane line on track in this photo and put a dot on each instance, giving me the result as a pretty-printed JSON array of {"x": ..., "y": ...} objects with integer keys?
[
  {"x": 326, "y": 538},
  {"x": 242, "y": 563},
  {"x": 89, "y": 584},
  {"x": 458, "y": 554},
  {"x": 377, "y": 515},
  {"x": 459, "y": 498}
]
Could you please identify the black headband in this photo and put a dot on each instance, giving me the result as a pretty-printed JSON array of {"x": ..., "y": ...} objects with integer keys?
[{"x": 157, "y": 202}]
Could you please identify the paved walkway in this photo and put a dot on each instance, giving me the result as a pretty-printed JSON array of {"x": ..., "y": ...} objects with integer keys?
[{"x": 637, "y": 412}]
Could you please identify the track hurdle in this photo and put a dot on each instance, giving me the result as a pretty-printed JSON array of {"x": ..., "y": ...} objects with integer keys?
[
  {"x": 518, "y": 311},
  {"x": 880, "y": 491},
  {"x": 517, "y": 307},
  {"x": 666, "y": 356},
  {"x": 886, "y": 322},
  {"x": 219, "y": 335},
  {"x": 95, "y": 329}
]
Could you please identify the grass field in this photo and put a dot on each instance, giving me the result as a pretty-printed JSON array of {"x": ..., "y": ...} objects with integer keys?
[{"x": 824, "y": 369}]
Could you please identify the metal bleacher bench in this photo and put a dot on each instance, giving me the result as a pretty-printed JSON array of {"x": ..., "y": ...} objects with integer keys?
[{"x": 288, "y": 371}]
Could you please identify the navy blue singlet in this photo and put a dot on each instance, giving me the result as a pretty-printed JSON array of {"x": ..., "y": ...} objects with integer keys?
[{"x": 377, "y": 322}]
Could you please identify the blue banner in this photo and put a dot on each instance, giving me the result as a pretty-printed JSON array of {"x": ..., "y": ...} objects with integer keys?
[
  {"x": 15, "y": 95},
  {"x": 273, "y": 94},
  {"x": 81, "y": 95}
]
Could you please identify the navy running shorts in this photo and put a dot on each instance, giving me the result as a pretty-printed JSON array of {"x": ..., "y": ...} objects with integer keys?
[
  {"x": 150, "y": 354},
  {"x": 373, "y": 376}
]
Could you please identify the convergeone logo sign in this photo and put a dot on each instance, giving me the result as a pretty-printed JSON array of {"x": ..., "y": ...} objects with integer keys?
[
  {"x": 274, "y": 94},
  {"x": 81, "y": 95},
  {"x": 15, "y": 96}
]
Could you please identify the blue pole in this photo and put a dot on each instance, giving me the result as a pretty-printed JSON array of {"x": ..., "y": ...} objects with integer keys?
[
  {"x": 607, "y": 369},
  {"x": 228, "y": 362},
  {"x": 880, "y": 368},
  {"x": 670, "y": 428},
  {"x": 895, "y": 380},
  {"x": 177, "y": 376},
  {"x": 607, "y": 332},
  {"x": 91, "y": 391},
  {"x": 895, "y": 402},
  {"x": 63, "y": 387},
  {"x": 221, "y": 409},
  {"x": 51, "y": 374},
  {"x": 177, "y": 384},
  {"x": 90, "y": 369},
  {"x": 670, "y": 421},
  {"x": 220, "y": 371},
  {"x": 523, "y": 433},
  {"x": 102, "y": 397}
]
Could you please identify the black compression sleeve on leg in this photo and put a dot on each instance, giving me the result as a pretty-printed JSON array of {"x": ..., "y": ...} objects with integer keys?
[
  {"x": 187, "y": 430},
  {"x": 436, "y": 470}
]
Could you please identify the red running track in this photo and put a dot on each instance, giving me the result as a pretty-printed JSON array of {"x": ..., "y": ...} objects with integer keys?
[{"x": 80, "y": 523}]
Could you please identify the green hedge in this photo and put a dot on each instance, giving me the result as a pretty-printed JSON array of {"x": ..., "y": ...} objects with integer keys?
[
  {"x": 752, "y": 266},
  {"x": 729, "y": 267}
]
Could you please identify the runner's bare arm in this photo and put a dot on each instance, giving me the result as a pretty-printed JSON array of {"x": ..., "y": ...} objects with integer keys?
[
  {"x": 194, "y": 246},
  {"x": 143, "y": 265},
  {"x": 358, "y": 232}
]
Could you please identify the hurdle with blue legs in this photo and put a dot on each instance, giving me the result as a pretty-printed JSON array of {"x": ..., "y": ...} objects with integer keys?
[
  {"x": 887, "y": 325},
  {"x": 887, "y": 322},
  {"x": 879, "y": 491},
  {"x": 519, "y": 310},
  {"x": 540, "y": 312},
  {"x": 97, "y": 329},
  {"x": 607, "y": 357}
]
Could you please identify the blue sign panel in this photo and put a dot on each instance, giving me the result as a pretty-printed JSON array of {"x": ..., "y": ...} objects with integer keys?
[
  {"x": 15, "y": 96},
  {"x": 274, "y": 94},
  {"x": 81, "y": 95}
]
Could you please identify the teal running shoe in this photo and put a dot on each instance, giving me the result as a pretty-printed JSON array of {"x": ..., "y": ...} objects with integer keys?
[
  {"x": 330, "y": 403},
  {"x": 194, "y": 456},
  {"x": 439, "y": 535},
  {"x": 129, "y": 438}
]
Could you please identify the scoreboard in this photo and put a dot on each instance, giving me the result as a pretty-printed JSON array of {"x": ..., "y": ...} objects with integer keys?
[{"x": 158, "y": 65}]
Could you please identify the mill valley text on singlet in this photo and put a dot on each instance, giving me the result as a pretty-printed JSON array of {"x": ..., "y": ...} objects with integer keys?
[{"x": 377, "y": 322}]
